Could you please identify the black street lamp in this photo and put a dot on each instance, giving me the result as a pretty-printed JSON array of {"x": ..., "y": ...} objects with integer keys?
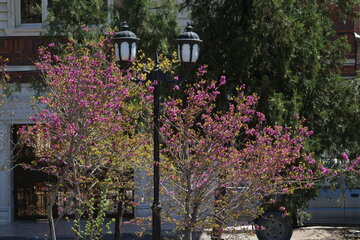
[
  {"x": 188, "y": 53},
  {"x": 125, "y": 44},
  {"x": 188, "y": 46}
]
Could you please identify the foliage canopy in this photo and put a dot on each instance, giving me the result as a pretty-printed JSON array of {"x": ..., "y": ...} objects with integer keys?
[
  {"x": 154, "y": 22},
  {"x": 288, "y": 53}
]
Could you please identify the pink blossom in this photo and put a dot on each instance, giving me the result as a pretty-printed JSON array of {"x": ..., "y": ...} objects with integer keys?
[
  {"x": 202, "y": 70},
  {"x": 85, "y": 28},
  {"x": 222, "y": 80},
  {"x": 151, "y": 88},
  {"x": 345, "y": 157},
  {"x": 312, "y": 161},
  {"x": 285, "y": 214},
  {"x": 325, "y": 171}
]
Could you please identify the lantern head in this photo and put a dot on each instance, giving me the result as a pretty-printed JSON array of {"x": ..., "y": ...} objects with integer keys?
[
  {"x": 125, "y": 44},
  {"x": 188, "y": 45}
]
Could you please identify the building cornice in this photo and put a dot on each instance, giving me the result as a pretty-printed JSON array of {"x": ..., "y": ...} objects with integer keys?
[
  {"x": 23, "y": 31},
  {"x": 20, "y": 68}
]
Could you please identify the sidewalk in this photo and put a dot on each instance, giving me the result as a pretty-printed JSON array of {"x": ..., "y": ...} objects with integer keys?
[
  {"x": 38, "y": 230},
  {"x": 326, "y": 233}
]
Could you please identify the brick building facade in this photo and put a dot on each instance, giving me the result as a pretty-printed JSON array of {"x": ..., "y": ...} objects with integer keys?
[{"x": 351, "y": 31}]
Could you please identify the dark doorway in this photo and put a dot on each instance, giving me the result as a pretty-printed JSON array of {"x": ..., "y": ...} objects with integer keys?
[{"x": 29, "y": 186}]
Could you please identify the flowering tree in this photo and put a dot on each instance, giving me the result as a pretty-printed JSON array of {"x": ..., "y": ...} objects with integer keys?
[
  {"x": 346, "y": 170},
  {"x": 219, "y": 165},
  {"x": 90, "y": 134}
]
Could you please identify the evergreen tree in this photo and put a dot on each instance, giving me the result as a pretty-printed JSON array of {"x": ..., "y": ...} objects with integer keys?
[
  {"x": 288, "y": 53},
  {"x": 73, "y": 19},
  {"x": 154, "y": 22}
]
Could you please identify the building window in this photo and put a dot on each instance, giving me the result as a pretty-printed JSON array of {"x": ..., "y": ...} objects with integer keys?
[
  {"x": 30, "y": 11},
  {"x": 33, "y": 13}
]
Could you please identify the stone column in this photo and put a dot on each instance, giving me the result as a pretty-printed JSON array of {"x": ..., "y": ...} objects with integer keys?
[{"x": 6, "y": 195}]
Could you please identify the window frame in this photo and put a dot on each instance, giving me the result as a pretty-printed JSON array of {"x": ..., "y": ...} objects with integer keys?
[
  {"x": 44, "y": 13},
  {"x": 16, "y": 28}
]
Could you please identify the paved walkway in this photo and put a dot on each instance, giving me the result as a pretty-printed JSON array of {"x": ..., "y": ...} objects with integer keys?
[
  {"x": 326, "y": 233},
  {"x": 37, "y": 230}
]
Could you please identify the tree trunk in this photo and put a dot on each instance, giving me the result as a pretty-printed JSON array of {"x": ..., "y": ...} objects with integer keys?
[
  {"x": 216, "y": 232},
  {"x": 77, "y": 209},
  {"x": 76, "y": 189},
  {"x": 188, "y": 234},
  {"x": 188, "y": 223},
  {"x": 50, "y": 218},
  {"x": 119, "y": 219}
]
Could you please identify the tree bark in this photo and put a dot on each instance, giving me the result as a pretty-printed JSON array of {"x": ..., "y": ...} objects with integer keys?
[
  {"x": 119, "y": 219},
  {"x": 51, "y": 218},
  {"x": 77, "y": 209},
  {"x": 188, "y": 230},
  {"x": 216, "y": 233}
]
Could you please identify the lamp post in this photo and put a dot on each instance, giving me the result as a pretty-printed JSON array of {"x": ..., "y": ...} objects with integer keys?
[{"x": 188, "y": 53}]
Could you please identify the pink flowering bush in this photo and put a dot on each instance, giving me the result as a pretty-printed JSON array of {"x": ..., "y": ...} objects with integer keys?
[
  {"x": 346, "y": 170},
  {"x": 219, "y": 165},
  {"x": 91, "y": 132},
  {"x": 351, "y": 166}
]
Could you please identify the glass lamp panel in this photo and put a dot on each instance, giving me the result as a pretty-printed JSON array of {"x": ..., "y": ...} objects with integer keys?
[
  {"x": 185, "y": 53},
  {"x": 124, "y": 50},
  {"x": 195, "y": 53},
  {"x": 117, "y": 51},
  {"x": 133, "y": 51}
]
